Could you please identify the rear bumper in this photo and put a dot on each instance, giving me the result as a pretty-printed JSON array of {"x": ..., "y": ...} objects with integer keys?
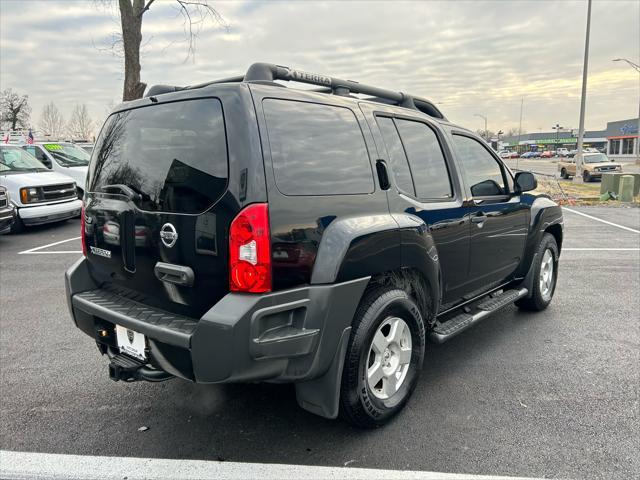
[
  {"x": 40, "y": 214},
  {"x": 287, "y": 336}
]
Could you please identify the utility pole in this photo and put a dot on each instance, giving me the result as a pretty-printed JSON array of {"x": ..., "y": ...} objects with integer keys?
[
  {"x": 519, "y": 132},
  {"x": 557, "y": 128},
  {"x": 486, "y": 132},
  {"x": 578, "y": 176},
  {"x": 637, "y": 68}
]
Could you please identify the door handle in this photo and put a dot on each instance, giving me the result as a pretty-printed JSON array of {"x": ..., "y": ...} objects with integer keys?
[
  {"x": 478, "y": 219},
  {"x": 383, "y": 176},
  {"x": 176, "y": 274}
]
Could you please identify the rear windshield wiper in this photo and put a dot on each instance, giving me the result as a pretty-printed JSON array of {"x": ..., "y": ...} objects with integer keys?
[{"x": 122, "y": 189}]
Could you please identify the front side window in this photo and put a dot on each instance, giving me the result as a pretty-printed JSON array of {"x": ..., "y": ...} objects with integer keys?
[
  {"x": 174, "y": 155},
  {"x": 430, "y": 174},
  {"x": 317, "y": 149},
  {"x": 627, "y": 146},
  {"x": 481, "y": 171}
]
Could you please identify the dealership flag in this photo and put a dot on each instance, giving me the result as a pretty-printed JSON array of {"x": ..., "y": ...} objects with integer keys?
[{"x": 30, "y": 138}]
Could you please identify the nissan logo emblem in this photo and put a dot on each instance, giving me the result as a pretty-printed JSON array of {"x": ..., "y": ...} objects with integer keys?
[{"x": 168, "y": 235}]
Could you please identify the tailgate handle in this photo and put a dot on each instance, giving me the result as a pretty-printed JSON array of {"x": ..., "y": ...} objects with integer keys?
[{"x": 176, "y": 274}]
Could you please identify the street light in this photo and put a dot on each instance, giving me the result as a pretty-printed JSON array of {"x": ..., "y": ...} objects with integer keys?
[
  {"x": 637, "y": 68},
  {"x": 486, "y": 134},
  {"x": 583, "y": 98},
  {"x": 557, "y": 128}
]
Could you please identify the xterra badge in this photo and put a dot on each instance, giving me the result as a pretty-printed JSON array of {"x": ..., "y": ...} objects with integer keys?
[
  {"x": 168, "y": 235},
  {"x": 101, "y": 252}
]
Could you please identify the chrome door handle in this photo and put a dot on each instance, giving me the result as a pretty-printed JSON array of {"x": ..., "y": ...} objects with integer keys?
[{"x": 479, "y": 219}]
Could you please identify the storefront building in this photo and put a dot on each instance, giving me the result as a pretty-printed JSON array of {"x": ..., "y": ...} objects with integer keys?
[
  {"x": 622, "y": 139},
  {"x": 619, "y": 140}
]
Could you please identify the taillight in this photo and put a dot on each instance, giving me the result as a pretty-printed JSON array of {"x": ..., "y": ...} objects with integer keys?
[
  {"x": 82, "y": 234},
  {"x": 250, "y": 250}
]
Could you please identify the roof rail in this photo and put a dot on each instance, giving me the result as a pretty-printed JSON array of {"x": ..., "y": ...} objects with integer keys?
[{"x": 268, "y": 72}]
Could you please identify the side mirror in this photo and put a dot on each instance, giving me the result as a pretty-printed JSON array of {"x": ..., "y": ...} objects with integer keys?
[{"x": 525, "y": 182}]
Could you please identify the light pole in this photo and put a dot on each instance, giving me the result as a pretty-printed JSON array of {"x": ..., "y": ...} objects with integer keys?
[
  {"x": 486, "y": 134},
  {"x": 578, "y": 176},
  {"x": 557, "y": 128},
  {"x": 637, "y": 68}
]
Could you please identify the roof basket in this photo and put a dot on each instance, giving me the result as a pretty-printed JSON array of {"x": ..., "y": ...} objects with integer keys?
[{"x": 268, "y": 73}]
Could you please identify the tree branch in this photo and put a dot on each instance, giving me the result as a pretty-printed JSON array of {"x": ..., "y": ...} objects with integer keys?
[{"x": 146, "y": 7}]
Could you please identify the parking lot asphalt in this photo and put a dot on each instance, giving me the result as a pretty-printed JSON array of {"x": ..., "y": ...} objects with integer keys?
[{"x": 552, "y": 394}]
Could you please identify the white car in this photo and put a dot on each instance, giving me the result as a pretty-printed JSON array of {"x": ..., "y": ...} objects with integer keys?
[
  {"x": 38, "y": 194},
  {"x": 63, "y": 157}
]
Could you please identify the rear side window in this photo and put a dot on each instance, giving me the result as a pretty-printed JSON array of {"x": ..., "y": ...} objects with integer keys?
[
  {"x": 174, "y": 155},
  {"x": 397, "y": 157},
  {"x": 430, "y": 174},
  {"x": 316, "y": 149}
]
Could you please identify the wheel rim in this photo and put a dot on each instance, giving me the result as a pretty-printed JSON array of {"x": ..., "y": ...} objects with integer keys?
[
  {"x": 389, "y": 357},
  {"x": 546, "y": 275}
]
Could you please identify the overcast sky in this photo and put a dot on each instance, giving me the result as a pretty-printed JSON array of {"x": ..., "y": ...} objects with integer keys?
[{"x": 469, "y": 57}]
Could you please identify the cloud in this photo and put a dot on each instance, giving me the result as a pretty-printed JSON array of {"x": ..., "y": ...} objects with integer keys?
[{"x": 469, "y": 57}]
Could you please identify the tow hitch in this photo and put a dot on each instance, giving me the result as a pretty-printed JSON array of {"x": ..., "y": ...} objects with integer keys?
[{"x": 128, "y": 369}]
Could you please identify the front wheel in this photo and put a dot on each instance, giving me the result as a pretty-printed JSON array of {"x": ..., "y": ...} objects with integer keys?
[
  {"x": 384, "y": 357},
  {"x": 545, "y": 276},
  {"x": 586, "y": 177},
  {"x": 563, "y": 173}
]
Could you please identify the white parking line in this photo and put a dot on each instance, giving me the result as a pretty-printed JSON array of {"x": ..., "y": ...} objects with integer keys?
[
  {"x": 27, "y": 465},
  {"x": 35, "y": 250},
  {"x": 632, "y": 249},
  {"x": 601, "y": 220}
]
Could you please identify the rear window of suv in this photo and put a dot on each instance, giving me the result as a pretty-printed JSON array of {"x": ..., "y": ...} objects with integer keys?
[
  {"x": 317, "y": 149},
  {"x": 174, "y": 155}
]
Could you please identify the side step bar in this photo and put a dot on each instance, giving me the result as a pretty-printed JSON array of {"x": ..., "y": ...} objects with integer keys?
[{"x": 459, "y": 323}]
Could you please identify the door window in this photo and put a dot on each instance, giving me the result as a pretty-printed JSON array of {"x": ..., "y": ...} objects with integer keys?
[
  {"x": 397, "y": 157},
  {"x": 482, "y": 172},
  {"x": 428, "y": 167}
]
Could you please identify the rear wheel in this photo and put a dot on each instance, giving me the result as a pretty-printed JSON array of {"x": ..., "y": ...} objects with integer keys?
[
  {"x": 545, "y": 276},
  {"x": 384, "y": 357}
]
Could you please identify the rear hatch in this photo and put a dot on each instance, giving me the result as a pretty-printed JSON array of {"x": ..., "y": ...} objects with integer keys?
[{"x": 157, "y": 208}]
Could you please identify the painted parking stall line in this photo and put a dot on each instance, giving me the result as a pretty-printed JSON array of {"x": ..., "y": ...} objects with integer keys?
[
  {"x": 27, "y": 465},
  {"x": 601, "y": 220},
  {"x": 36, "y": 250}
]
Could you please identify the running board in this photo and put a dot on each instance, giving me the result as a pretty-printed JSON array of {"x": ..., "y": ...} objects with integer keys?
[{"x": 459, "y": 323}]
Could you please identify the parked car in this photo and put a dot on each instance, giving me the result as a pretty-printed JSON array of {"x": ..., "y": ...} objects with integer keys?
[
  {"x": 39, "y": 195},
  {"x": 63, "y": 157},
  {"x": 276, "y": 256},
  {"x": 595, "y": 164},
  {"x": 7, "y": 211},
  {"x": 562, "y": 152},
  {"x": 505, "y": 154},
  {"x": 514, "y": 155},
  {"x": 546, "y": 154},
  {"x": 529, "y": 155}
]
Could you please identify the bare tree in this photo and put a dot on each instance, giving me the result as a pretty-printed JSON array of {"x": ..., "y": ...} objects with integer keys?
[
  {"x": 51, "y": 121},
  {"x": 512, "y": 132},
  {"x": 15, "y": 111},
  {"x": 195, "y": 14},
  {"x": 80, "y": 126}
]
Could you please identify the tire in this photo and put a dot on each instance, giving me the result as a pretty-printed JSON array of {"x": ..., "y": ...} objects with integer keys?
[
  {"x": 586, "y": 177},
  {"x": 563, "y": 173},
  {"x": 543, "y": 290},
  {"x": 18, "y": 225},
  {"x": 381, "y": 308}
]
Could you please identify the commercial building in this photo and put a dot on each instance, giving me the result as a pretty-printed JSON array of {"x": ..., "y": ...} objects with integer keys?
[{"x": 619, "y": 140}]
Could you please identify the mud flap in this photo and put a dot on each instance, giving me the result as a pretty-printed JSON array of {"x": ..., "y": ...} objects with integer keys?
[{"x": 322, "y": 395}]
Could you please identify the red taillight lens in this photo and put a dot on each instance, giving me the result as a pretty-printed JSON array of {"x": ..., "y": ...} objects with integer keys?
[
  {"x": 82, "y": 234},
  {"x": 250, "y": 250}
]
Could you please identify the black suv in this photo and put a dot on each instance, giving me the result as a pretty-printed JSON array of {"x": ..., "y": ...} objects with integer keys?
[{"x": 241, "y": 231}]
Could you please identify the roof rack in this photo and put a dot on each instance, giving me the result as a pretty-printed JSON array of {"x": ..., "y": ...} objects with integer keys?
[{"x": 268, "y": 73}]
